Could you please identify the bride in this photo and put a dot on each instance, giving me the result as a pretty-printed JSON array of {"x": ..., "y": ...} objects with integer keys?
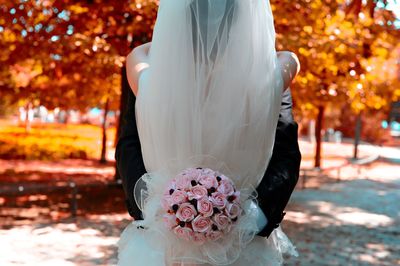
[{"x": 208, "y": 94}]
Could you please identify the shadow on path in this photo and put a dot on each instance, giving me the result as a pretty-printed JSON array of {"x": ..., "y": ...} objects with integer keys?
[{"x": 350, "y": 223}]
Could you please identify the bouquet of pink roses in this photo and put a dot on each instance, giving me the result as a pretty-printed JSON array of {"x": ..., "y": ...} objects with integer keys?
[{"x": 201, "y": 205}]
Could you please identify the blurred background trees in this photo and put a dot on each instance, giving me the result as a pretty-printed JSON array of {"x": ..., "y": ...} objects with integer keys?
[
  {"x": 70, "y": 55},
  {"x": 349, "y": 54}
]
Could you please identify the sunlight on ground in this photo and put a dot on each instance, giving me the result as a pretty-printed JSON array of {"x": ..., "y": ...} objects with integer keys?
[
  {"x": 364, "y": 218},
  {"x": 375, "y": 253},
  {"x": 330, "y": 214},
  {"x": 349, "y": 215},
  {"x": 62, "y": 244},
  {"x": 353, "y": 222}
]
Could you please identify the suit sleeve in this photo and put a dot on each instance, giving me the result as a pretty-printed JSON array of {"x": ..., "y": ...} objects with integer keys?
[
  {"x": 282, "y": 172},
  {"x": 128, "y": 156}
]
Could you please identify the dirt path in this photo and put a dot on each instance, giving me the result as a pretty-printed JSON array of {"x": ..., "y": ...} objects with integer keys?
[
  {"x": 84, "y": 241},
  {"x": 355, "y": 222}
]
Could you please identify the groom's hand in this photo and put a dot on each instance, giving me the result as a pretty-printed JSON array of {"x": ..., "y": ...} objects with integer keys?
[{"x": 282, "y": 173}]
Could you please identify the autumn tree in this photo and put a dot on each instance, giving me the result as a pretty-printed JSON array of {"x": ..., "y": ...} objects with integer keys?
[
  {"x": 70, "y": 54},
  {"x": 339, "y": 51}
]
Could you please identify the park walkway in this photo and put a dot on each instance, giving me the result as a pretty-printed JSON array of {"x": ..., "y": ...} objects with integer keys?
[{"x": 352, "y": 222}]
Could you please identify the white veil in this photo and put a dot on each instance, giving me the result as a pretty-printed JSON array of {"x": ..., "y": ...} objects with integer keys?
[
  {"x": 213, "y": 87},
  {"x": 210, "y": 98}
]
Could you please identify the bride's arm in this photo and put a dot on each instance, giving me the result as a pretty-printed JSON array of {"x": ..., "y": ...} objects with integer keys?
[
  {"x": 290, "y": 67},
  {"x": 136, "y": 62}
]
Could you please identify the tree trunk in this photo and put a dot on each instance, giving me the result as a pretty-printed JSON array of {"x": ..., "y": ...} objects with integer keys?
[
  {"x": 28, "y": 118},
  {"x": 356, "y": 6},
  {"x": 103, "y": 158},
  {"x": 318, "y": 136},
  {"x": 357, "y": 136},
  {"x": 116, "y": 117},
  {"x": 67, "y": 117},
  {"x": 311, "y": 131}
]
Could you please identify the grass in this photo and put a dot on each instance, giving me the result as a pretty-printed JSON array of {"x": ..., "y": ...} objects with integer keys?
[{"x": 51, "y": 141}]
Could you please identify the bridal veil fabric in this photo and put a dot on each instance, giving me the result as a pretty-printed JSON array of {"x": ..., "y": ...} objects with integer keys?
[{"x": 210, "y": 98}]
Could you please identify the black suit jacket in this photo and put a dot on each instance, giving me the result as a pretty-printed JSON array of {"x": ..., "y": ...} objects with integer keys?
[{"x": 274, "y": 190}]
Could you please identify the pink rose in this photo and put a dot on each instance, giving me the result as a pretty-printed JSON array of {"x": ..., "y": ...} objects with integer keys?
[
  {"x": 166, "y": 202},
  {"x": 199, "y": 238},
  {"x": 205, "y": 207},
  {"x": 221, "y": 220},
  {"x": 234, "y": 198},
  {"x": 225, "y": 187},
  {"x": 186, "y": 212},
  {"x": 183, "y": 182},
  {"x": 169, "y": 220},
  {"x": 193, "y": 173},
  {"x": 188, "y": 171},
  {"x": 214, "y": 235},
  {"x": 184, "y": 233},
  {"x": 218, "y": 199},
  {"x": 237, "y": 197},
  {"x": 223, "y": 177},
  {"x": 171, "y": 186},
  {"x": 208, "y": 181},
  {"x": 233, "y": 210},
  {"x": 208, "y": 171},
  {"x": 197, "y": 192},
  {"x": 178, "y": 197},
  {"x": 201, "y": 224}
]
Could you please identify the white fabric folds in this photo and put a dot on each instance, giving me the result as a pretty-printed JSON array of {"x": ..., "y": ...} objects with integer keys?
[
  {"x": 210, "y": 98},
  {"x": 149, "y": 242}
]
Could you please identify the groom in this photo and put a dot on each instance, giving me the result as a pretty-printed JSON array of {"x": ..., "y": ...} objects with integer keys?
[{"x": 274, "y": 190}]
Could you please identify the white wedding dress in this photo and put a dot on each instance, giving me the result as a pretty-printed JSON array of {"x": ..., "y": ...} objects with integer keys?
[{"x": 211, "y": 98}]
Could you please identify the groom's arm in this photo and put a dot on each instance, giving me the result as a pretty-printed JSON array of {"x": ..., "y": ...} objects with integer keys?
[
  {"x": 282, "y": 173},
  {"x": 128, "y": 155}
]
